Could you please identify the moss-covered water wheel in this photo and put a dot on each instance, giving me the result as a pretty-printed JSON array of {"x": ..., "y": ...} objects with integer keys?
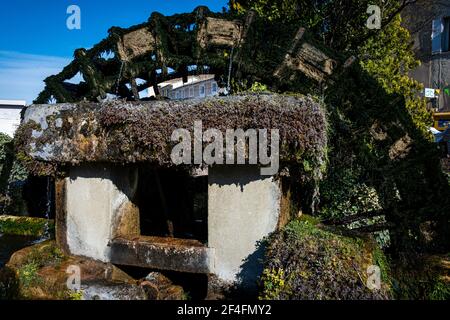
[{"x": 241, "y": 49}]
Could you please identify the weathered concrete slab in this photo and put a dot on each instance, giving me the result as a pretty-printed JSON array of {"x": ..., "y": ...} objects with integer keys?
[
  {"x": 243, "y": 208},
  {"x": 163, "y": 254},
  {"x": 123, "y": 132},
  {"x": 96, "y": 197}
]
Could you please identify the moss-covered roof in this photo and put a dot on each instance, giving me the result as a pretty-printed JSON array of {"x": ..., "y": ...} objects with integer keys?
[{"x": 133, "y": 132}]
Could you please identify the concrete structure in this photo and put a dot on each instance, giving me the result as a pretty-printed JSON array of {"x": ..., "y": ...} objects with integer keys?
[
  {"x": 100, "y": 221},
  {"x": 105, "y": 200},
  {"x": 10, "y": 111},
  {"x": 429, "y": 24},
  {"x": 200, "y": 86}
]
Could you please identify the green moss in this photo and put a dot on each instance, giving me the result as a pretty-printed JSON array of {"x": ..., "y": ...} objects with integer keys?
[
  {"x": 22, "y": 148},
  {"x": 47, "y": 254},
  {"x": 28, "y": 276},
  {"x": 25, "y": 226},
  {"x": 29, "y": 267},
  {"x": 314, "y": 221},
  {"x": 306, "y": 260},
  {"x": 76, "y": 295},
  {"x": 380, "y": 260}
]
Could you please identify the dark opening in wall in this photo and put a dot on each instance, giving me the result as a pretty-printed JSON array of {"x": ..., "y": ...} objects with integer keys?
[
  {"x": 173, "y": 203},
  {"x": 39, "y": 196}
]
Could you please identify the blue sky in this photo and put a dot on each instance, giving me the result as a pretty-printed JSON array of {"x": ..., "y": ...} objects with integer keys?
[{"x": 36, "y": 43}]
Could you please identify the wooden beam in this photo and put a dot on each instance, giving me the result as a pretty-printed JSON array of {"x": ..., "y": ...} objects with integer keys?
[
  {"x": 375, "y": 227},
  {"x": 61, "y": 215},
  {"x": 355, "y": 217}
]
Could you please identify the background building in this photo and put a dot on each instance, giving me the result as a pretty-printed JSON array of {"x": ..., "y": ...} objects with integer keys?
[
  {"x": 429, "y": 24},
  {"x": 10, "y": 111},
  {"x": 199, "y": 86}
]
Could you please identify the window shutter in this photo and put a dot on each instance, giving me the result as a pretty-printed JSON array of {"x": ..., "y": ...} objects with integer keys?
[{"x": 436, "y": 36}]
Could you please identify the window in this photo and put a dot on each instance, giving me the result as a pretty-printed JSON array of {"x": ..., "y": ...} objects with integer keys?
[
  {"x": 214, "y": 87},
  {"x": 202, "y": 91},
  {"x": 172, "y": 203},
  {"x": 191, "y": 92},
  {"x": 446, "y": 35},
  {"x": 178, "y": 95},
  {"x": 440, "y": 36}
]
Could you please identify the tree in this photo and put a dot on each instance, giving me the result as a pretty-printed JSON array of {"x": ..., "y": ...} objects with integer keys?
[
  {"x": 385, "y": 54},
  {"x": 340, "y": 23},
  {"x": 388, "y": 57},
  {"x": 382, "y": 163}
]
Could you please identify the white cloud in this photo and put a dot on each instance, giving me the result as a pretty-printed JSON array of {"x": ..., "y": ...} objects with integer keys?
[{"x": 22, "y": 75}]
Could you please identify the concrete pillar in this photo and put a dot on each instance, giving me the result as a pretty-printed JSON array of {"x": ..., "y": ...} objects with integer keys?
[
  {"x": 96, "y": 199},
  {"x": 243, "y": 208}
]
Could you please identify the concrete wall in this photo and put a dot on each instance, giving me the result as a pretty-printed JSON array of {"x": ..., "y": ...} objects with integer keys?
[
  {"x": 9, "y": 119},
  {"x": 243, "y": 208},
  {"x": 95, "y": 199}
]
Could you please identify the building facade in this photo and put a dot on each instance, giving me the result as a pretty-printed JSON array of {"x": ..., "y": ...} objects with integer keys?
[
  {"x": 200, "y": 86},
  {"x": 429, "y": 24},
  {"x": 10, "y": 111}
]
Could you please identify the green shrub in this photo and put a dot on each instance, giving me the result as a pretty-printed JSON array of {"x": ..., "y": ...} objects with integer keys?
[
  {"x": 440, "y": 291},
  {"x": 273, "y": 284},
  {"x": 308, "y": 261},
  {"x": 11, "y": 174}
]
